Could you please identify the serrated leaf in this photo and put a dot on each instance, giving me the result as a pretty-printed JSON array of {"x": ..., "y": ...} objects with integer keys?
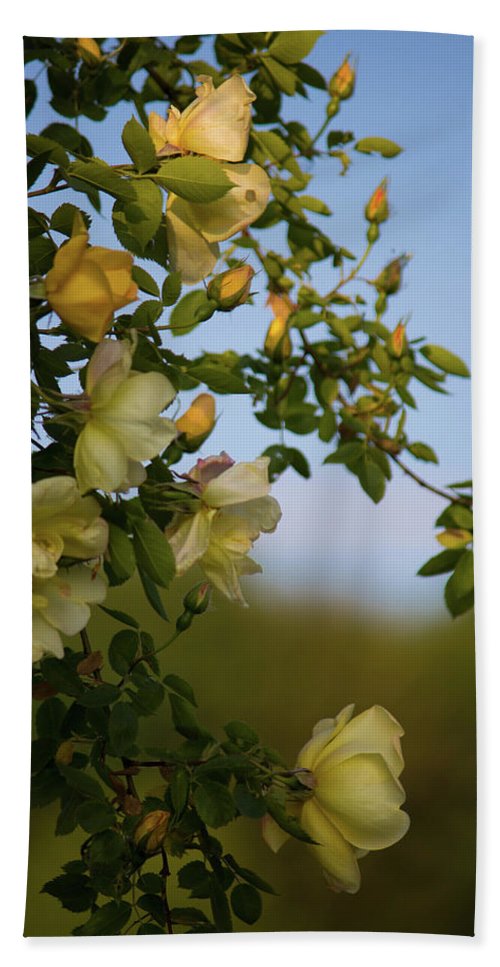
[
  {"x": 63, "y": 219},
  {"x": 145, "y": 281},
  {"x": 107, "y": 920},
  {"x": 37, "y": 144},
  {"x": 122, "y": 651},
  {"x": 137, "y": 218},
  {"x": 95, "y": 816},
  {"x": 73, "y": 890},
  {"x": 291, "y": 46},
  {"x": 97, "y": 174},
  {"x": 139, "y": 146},
  {"x": 388, "y": 149},
  {"x": 193, "y": 308},
  {"x": 171, "y": 289},
  {"x": 82, "y": 782},
  {"x": 284, "y": 78},
  {"x": 178, "y": 788},
  {"x": 195, "y": 179},
  {"x": 153, "y": 552},
  {"x": 214, "y": 803},
  {"x": 246, "y": 903},
  {"x": 119, "y": 556},
  {"x": 445, "y": 360}
]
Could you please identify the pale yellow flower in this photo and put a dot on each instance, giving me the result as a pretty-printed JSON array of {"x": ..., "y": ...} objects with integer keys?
[
  {"x": 61, "y": 604},
  {"x": 86, "y": 285},
  {"x": 234, "y": 508},
  {"x": 64, "y": 522},
  {"x": 122, "y": 424},
  {"x": 194, "y": 230},
  {"x": 353, "y": 766},
  {"x": 215, "y": 124}
]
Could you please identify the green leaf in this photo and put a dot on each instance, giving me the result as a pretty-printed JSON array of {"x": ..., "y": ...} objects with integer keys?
[
  {"x": 95, "y": 816},
  {"x": 422, "y": 452},
  {"x": 73, "y": 890},
  {"x": 82, "y": 782},
  {"x": 346, "y": 453},
  {"x": 284, "y": 79},
  {"x": 148, "y": 697},
  {"x": 181, "y": 687},
  {"x": 36, "y": 144},
  {"x": 69, "y": 137},
  {"x": 456, "y": 516},
  {"x": 195, "y": 179},
  {"x": 388, "y": 149},
  {"x": 106, "y": 921},
  {"x": 214, "y": 803},
  {"x": 193, "y": 308},
  {"x": 179, "y": 790},
  {"x": 440, "y": 563},
  {"x": 49, "y": 718},
  {"x": 97, "y": 174},
  {"x": 120, "y": 552},
  {"x": 194, "y": 876},
  {"x": 61, "y": 676},
  {"x": 291, "y": 46},
  {"x": 139, "y": 146},
  {"x": 461, "y": 583},
  {"x": 246, "y": 903},
  {"x": 219, "y": 379},
  {"x": 63, "y": 219},
  {"x": 100, "y": 696},
  {"x": 126, "y": 619},
  {"x": 249, "y": 875},
  {"x": 248, "y": 803},
  {"x": 137, "y": 218},
  {"x": 145, "y": 281},
  {"x": 153, "y": 552},
  {"x": 445, "y": 360},
  {"x": 150, "y": 883},
  {"x": 183, "y": 716},
  {"x": 371, "y": 478},
  {"x": 220, "y": 907},
  {"x": 153, "y": 905},
  {"x": 122, "y": 651},
  {"x": 151, "y": 592},
  {"x": 241, "y": 734},
  {"x": 171, "y": 289},
  {"x": 123, "y": 727},
  {"x": 188, "y": 915}
]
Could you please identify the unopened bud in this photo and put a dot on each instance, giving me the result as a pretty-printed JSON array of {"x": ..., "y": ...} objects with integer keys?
[
  {"x": 89, "y": 50},
  {"x": 278, "y": 345},
  {"x": 377, "y": 209},
  {"x": 199, "y": 420},
  {"x": 396, "y": 343},
  {"x": 231, "y": 288},
  {"x": 389, "y": 279},
  {"x": 151, "y": 831},
  {"x": 342, "y": 83},
  {"x": 333, "y": 106},
  {"x": 197, "y": 599}
]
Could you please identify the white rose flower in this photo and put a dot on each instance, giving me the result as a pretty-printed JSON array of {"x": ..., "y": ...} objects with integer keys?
[
  {"x": 61, "y": 604},
  {"x": 64, "y": 522}
]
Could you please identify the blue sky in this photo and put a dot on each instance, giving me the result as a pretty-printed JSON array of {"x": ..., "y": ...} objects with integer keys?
[{"x": 416, "y": 89}]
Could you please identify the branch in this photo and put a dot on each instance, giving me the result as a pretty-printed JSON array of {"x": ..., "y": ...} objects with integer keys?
[{"x": 465, "y": 501}]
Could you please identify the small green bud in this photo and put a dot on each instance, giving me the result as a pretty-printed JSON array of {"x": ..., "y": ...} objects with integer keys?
[{"x": 197, "y": 599}]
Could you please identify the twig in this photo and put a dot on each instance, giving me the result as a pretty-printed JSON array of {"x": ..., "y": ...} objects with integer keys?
[
  {"x": 465, "y": 501},
  {"x": 165, "y": 873}
]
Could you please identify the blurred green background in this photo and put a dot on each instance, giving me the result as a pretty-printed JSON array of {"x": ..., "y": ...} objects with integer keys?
[{"x": 282, "y": 665}]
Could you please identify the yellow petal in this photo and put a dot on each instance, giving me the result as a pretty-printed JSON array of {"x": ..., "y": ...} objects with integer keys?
[
  {"x": 375, "y": 730},
  {"x": 199, "y": 418},
  {"x": 323, "y": 733},
  {"x": 85, "y": 301},
  {"x": 362, "y": 798},
  {"x": 218, "y": 123},
  {"x": 237, "y": 209},
  {"x": 157, "y": 127},
  {"x": 117, "y": 267},
  {"x": 66, "y": 260},
  {"x": 189, "y": 253},
  {"x": 334, "y": 854}
]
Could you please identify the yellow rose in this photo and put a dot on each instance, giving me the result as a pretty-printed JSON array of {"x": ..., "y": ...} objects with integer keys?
[
  {"x": 193, "y": 230},
  {"x": 215, "y": 124},
  {"x": 88, "y": 49},
  {"x": 234, "y": 508},
  {"x": 231, "y": 288},
  {"x": 377, "y": 209},
  {"x": 64, "y": 522},
  {"x": 353, "y": 767},
  {"x": 199, "y": 419},
  {"x": 122, "y": 426},
  {"x": 86, "y": 285}
]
